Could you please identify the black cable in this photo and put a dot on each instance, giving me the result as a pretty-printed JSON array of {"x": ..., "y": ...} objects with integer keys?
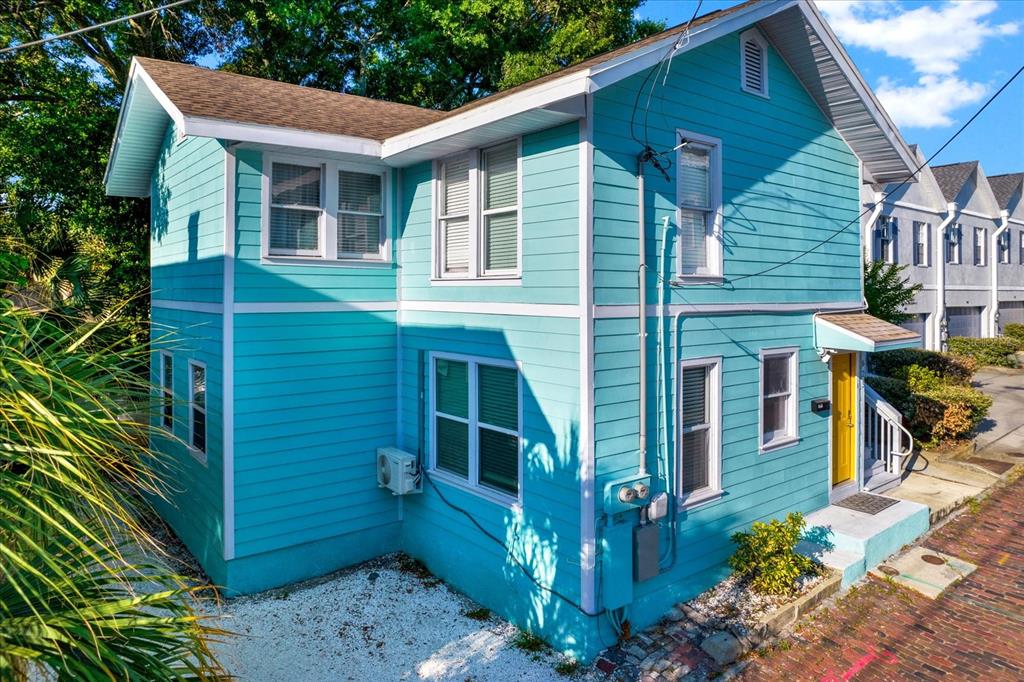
[
  {"x": 508, "y": 551},
  {"x": 873, "y": 205}
]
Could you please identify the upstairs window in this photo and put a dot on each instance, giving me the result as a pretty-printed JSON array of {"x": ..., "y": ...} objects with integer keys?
[
  {"x": 954, "y": 245},
  {"x": 1021, "y": 247},
  {"x": 754, "y": 63},
  {"x": 886, "y": 243},
  {"x": 476, "y": 424},
  {"x": 324, "y": 212},
  {"x": 979, "y": 246},
  {"x": 1004, "y": 247},
  {"x": 922, "y": 235},
  {"x": 477, "y": 227},
  {"x": 698, "y": 197},
  {"x": 197, "y": 408}
]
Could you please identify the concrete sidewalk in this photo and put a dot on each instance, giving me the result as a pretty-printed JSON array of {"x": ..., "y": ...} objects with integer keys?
[{"x": 945, "y": 481}]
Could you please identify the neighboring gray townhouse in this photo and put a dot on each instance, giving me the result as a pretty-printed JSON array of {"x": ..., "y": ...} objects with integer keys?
[
  {"x": 961, "y": 234},
  {"x": 1009, "y": 193}
]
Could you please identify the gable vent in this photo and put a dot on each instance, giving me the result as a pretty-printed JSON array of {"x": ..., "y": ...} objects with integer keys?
[{"x": 753, "y": 61}]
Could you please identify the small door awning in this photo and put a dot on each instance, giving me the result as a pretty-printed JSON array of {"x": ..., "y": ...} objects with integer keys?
[{"x": 860, "y": 332}]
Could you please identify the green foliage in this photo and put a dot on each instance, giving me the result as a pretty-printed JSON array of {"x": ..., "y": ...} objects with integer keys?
[
  {"x": 996, "y": 352},
  {"x": 887, "y": 291},
  {"x": 527, "y": 641},
  {"x": 948, "y": 366},
  {"x": 568, "y": 667},
  {"x": 78, "y": 599},
  {"x": 937, "y": 411},
  {"x": 766, "y": 555},
  {"x": 1014, "y": 330}
]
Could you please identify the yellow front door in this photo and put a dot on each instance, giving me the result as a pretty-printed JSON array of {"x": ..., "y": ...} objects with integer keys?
[{"x": 844, "y": 416}]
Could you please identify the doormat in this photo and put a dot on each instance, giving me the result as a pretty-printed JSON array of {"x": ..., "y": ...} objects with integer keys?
[
  {"x": 866, "y": 503},
  {"x": 995, "y": 466}
]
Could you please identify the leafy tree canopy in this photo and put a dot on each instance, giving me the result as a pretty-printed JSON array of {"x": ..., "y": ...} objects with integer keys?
[{"x": 887, "y": 291}]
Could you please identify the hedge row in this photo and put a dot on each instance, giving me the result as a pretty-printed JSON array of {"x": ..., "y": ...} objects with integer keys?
[{"x": 997, "y": 352}]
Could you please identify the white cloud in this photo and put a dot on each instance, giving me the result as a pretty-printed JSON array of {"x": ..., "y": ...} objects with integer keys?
[{"x": 936, "y": 40}]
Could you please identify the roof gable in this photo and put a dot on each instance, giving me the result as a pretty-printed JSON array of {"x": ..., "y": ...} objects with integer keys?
[
  {"x": 952, "y": 177},
  {"x": 1007, "y": 189}
]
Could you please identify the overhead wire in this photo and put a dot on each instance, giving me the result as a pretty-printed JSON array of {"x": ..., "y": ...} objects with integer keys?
[{"x": 93, "y": 27}]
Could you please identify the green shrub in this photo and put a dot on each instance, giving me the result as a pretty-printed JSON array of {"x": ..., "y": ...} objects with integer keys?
[
  {"x": 948, "y": 366},
  {"x": 948, "y": 413},
  {"x": 766, "y": 555},
  {"x": 895, "y": 391},
  {"x": 997, "y": 352},
  {"x": 919, "y": 378},
  {"x": 1014, "y": 330}
]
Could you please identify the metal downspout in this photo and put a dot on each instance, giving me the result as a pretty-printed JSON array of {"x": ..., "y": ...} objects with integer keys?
[
  {"x": 940, "y": 274},
  {"x": 993, "y": 311}
]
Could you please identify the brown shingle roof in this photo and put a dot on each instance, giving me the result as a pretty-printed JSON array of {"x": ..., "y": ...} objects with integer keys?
[
  {"x": 870, "y": 327},
  {"x": 221, "y": 95},
  {"x": 1003, "y": 186},
  {"x": 952, "y": 176}
]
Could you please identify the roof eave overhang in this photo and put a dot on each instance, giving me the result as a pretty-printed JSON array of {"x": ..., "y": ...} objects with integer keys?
[{"x": 834, "y": 337}]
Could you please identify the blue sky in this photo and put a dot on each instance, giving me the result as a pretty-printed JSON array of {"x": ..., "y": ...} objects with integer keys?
[{"x": 932, "y": 63}]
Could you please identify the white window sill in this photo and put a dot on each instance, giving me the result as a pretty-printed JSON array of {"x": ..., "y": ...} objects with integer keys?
[
  {"x": 197, "y": 455},
  {"x": 779, "y": 444},
  {"x": 513, "y": 281},
  {"x": 683, "y": 280},
  {"x": 323, "y": 262},
  {"x": 498, "y": 498},
  {"x": 698, "y": 498}
]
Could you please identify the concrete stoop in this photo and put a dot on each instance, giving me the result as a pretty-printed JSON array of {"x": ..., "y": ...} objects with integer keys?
[{"x": 853, "y": 542}]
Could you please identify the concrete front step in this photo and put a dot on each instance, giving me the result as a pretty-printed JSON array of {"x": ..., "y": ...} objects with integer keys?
[{"x": 854, "y": 542}]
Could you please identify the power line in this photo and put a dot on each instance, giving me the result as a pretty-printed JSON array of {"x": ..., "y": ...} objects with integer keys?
[
  {"x": 94, "y": 27},
  {"x": 856, "y": 220}
]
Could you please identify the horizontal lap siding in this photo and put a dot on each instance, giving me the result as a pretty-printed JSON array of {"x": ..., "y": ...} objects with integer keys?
[
  {"x": 314, "y": 399},
  {"x": 550, "y": 224},
  {"x": 788, "y": 182},
  {"x": 194, "y": 507},
  {"x": 545, "y": 533},
  {"x": 757, "y": 486},
  {"x": 258, "y": 282},
  {"x": 187, "y": 220}
]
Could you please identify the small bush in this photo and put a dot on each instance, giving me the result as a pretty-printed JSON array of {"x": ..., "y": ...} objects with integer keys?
[
  {"x": 919, "y": 378},
  {"x": 996, "y": 352},
  {"x": 527, "y": 641},
  {"x": 1014, "y": 330},
  {"x": 948, "y": 413},
  {"x": 895, "y": 391},
  {"x": 766, "y": 555},
  {"x": 949, "y": 367}
]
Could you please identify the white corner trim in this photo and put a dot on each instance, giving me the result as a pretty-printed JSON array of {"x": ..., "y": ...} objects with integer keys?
[
  {"x": 588, "y": 509},
  {"x": 228, "y": 356},
  {"x": 190, "y": 306}
]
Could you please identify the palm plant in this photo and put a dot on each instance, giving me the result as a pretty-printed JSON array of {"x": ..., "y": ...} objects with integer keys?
[{"x": 77, "y": 598}]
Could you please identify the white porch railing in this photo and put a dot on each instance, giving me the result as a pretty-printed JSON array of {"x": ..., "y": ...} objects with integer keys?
[{"x": 887, "y": 444}]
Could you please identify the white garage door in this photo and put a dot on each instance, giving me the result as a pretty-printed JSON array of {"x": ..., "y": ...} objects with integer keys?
[
  {"x": 1010, "y": 312},
  {"x": 964, "y": 321},
  {"x": 917, "y": 324}
]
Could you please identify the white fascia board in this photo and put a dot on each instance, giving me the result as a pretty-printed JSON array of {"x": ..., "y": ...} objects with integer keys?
[
  {"x": 634, "y": 62},
  {"x": 160, "y": 96},
  {"x": 286, "y": 137},
  {"x": 567, "y": 86},
  {"x": 852, "y": 74}
]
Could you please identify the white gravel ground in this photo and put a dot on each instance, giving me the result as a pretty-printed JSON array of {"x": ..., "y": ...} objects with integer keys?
[{"x": 374, "y": 622}]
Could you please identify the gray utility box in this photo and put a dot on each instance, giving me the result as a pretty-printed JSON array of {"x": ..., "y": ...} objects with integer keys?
[{"x": 645, "y": 552}]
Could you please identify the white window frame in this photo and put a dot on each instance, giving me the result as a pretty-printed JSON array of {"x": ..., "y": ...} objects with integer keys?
[
  {"x": 714, "y": 229},
  {"x": 475, "y": 275},
  {"x": 472, "y": 481},
  {"x": 166, "y": 392},
  {"x": 753, "y": 35},
  {"x": 980, "y": 250},
  {"x": 1020, "y": 247},
  {"x": 922, "y": 235},
  {"x": 954, "y": 244},
  {"x": 792, "y": 435},
  {"x": 200, "y": 455},
  {"x": 714, "y": 400},
  {"x": 887, "y": 250},
  {"x": 327, "y": 253},
  {"x": 1004, "y": 244}
]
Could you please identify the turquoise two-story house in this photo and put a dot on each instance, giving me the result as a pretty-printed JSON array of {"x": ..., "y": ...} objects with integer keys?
[{"x": 353, "y": 299}]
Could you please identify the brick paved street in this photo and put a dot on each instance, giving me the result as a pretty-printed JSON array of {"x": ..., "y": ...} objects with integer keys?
[{"x": 881, "y": 632}]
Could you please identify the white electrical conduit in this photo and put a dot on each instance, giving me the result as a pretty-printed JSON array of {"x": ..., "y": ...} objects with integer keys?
[
  {"x": 641, "y": 275},
  {"x": 1004, "y": 218}
]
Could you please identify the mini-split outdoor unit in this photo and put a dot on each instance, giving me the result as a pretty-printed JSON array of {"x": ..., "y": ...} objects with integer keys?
[{"x": 397, "y": 471}]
